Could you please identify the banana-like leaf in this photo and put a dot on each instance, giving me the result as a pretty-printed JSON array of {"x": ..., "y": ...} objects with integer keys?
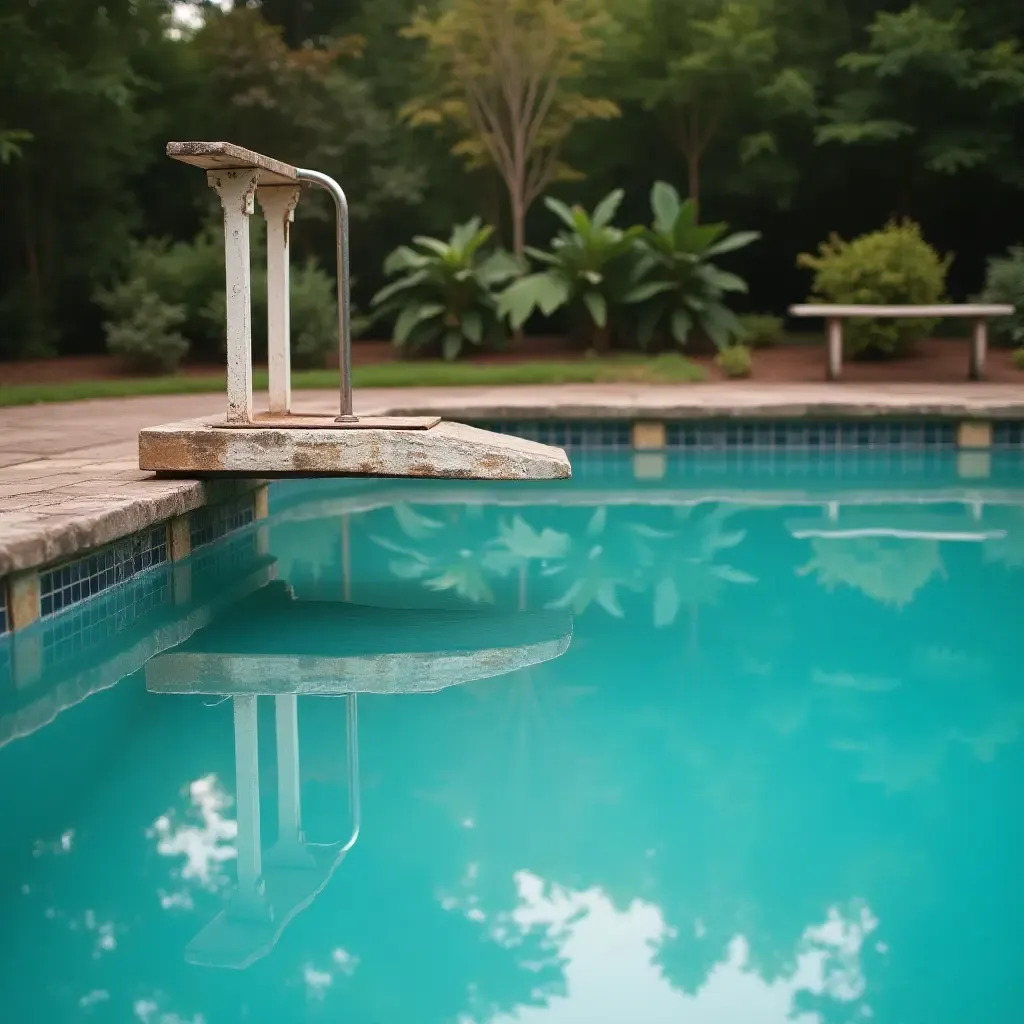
[
  {"x": 607, "y": 208},
  {"x": 732, "y": 242},
  {"x": 452, "y": 345},
  {"x": 597, "y": 307},
  {"x": 665, "y": 206},
  {"x": 473, "y": 326},
  {"x": 404, "y": 258},
  {"x": 413, "y": 315},
  {"x": 435, "y": 245},
  {"x": 643, "y": 292},
  {"x": 417, "y": 277},
  {"x": 561, "y": 211},
  {"x": 682, "y": 324}
]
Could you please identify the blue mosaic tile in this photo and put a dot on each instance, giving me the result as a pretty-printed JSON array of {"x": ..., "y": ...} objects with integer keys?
[
  {"x": 1007, "y": 435},
  {"x": 571, "y": 435},
  {"x": 71, "y": 636},
  {"x": 212, "y": 522},
  {"x": 67, "y": 585},
  {"x": 807, "y": 435}
]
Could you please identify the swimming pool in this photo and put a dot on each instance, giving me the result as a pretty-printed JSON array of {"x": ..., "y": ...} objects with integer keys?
[{"x": 759, "y": 758}]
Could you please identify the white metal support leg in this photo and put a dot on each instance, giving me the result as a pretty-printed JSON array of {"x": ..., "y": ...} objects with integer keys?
[
  {"x": 236, "y": 190},
  {"x": 979, "y": 345},
  {"x": 278, "y": 203},
  {"x": 289, "y": 798},
  {"x": 834, "y": 330},
  {"x": 247, "y": 797}
]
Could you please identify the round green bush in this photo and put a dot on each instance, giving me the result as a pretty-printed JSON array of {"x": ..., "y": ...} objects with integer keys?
[
  {"x": 889, "y": 267},
  {"x": 735, "y": 361},
  {"x": 1018, "y": 358}
]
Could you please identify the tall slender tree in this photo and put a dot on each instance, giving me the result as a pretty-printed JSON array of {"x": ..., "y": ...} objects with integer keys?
[{"x": 506, "y": 76}]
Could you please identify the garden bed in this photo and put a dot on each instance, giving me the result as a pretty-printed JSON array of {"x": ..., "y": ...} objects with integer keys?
[{"x": 534, "y": 360}]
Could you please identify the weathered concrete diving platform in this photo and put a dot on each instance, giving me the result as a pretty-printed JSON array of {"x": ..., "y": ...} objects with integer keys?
[
  {"x": 278, "y": 442},
  {"x": 271, "y": 644}
]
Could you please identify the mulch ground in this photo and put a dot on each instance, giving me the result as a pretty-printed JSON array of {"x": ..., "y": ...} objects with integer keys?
[{"x": 937, "y": 360}]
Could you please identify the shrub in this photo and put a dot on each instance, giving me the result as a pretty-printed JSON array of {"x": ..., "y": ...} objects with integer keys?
[
  {"x": 141, "y": 328},
  {"x": 314, "y": 315},
  {"x": 762, "y": 330},
  {"x": 675, "y": 284},
  {"x": 587, "y": 270},
  {"x": 445, "y": 295},
  {"x": 894, "y": 265},
  {"x": 1018, "y": 358},
  {"x": 734, "y": 361},
  {"x": 1004, "y": 282}
]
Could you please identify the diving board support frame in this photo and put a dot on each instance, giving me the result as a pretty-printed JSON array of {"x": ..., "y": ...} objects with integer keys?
[
  {"x": 278, "y": 203},
  {"x": 278, "y": 441},
  {"x": 247, "y": 797}
]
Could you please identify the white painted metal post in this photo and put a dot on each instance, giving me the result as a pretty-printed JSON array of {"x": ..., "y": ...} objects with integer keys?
[
  {"x": 247, "y": 797},
  {"x": 236, "y": 190},
  {"x": 979, "y": 344},
  {"x": 289, "y": 798},
  {"x": 834, "y": 329},
  {"x": 278, "y": 205}
]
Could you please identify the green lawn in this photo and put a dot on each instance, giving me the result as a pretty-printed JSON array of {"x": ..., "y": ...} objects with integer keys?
[{"x": 665, "y": 369}]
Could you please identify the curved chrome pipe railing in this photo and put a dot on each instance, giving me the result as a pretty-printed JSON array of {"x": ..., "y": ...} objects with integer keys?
[{"x": 344, "y": 320}]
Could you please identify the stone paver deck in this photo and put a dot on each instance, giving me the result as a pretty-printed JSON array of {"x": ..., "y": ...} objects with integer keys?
[{"x": 69, "y": 477}]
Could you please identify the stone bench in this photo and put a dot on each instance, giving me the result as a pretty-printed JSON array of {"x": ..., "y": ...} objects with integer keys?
[{"x": 835, "y": 315}]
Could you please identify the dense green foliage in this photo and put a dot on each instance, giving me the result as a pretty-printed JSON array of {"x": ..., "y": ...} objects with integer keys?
[
  {"x": 894, "y": 265},
  {"x": 446, "y": 294},
  {"x": 761, "y": 330},
  {"x": 189, "y": 276},
  {"x": 587, "y": 269},
  {"x": 677, "y": 286},
  {"x": 1004, "y": 282},
  {"x": 143, "y": 329},
  {"x": 794, "y": 120}
]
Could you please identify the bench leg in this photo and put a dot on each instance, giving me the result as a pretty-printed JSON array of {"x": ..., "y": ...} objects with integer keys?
[
  {"x": 834, "y": 332},
  {"x": 979, "y": 346}
]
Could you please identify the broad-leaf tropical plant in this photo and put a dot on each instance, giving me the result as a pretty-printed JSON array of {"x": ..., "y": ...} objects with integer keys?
[
  {"x": 443, "y": 295},
  {"x": 587, "y": 268},
  {"x": 676, "y": 285}
]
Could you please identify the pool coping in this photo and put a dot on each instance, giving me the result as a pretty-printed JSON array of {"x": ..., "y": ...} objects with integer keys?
[{"x": 60, "y": 501}]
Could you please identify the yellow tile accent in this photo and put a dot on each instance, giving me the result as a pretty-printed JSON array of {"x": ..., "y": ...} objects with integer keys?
[
  {"x": 974, "y": 465},
  {"x": 179, "y": 538},
  {"x": 27, "y": 658},
  {"x": 648, "y": 436},
  {"x": 261, "y": 502},
  {"x": 974, "y": 434},
  {"x": 649, "y": 465},
  {"x": 23, "y": 598}
]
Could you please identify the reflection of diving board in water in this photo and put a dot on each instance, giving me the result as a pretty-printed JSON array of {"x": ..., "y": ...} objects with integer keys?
[
  {"x": 275, "y": 889},
  {"x": 280, "y": 442},
  {"x": 272, "y": 644},
  {"x": 840, "y": 523}
]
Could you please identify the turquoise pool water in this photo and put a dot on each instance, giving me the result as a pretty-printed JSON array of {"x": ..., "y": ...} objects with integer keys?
[{"x": 759, "y": 759}]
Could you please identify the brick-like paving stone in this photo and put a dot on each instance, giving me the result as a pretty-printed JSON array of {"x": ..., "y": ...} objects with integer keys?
[{"x": 69, "y": 477}]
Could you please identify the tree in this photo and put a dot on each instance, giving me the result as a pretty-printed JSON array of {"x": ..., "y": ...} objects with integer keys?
[
  {"x": 701, "y": 64},
  {"x": 506, "y": 75},
  {"x": 925, "y": 94},
  {"x": 304, "y": 105}
]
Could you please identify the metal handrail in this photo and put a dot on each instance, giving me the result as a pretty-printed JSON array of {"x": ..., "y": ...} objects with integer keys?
[{"x": 327, "y": 183}]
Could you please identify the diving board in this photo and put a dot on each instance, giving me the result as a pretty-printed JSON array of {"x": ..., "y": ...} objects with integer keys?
[{"x": 279, "y": 442}]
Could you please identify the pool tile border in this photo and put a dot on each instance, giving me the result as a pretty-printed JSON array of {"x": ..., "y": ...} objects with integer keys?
[{"x": 47, "y": 592}]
